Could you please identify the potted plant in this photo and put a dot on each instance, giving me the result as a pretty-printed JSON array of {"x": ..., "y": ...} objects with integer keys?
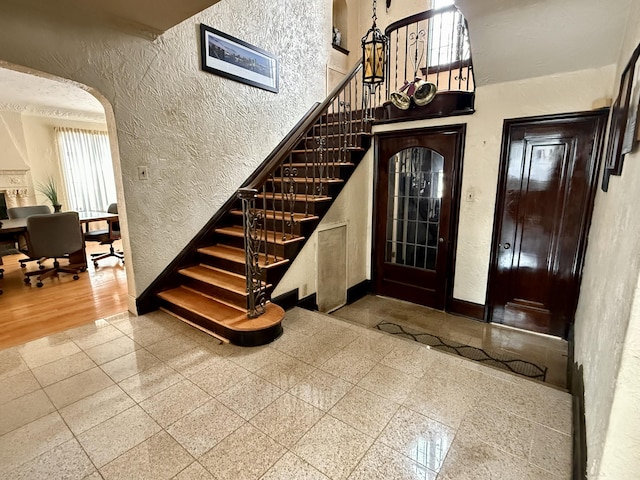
[{"x": 49, "y": 190}]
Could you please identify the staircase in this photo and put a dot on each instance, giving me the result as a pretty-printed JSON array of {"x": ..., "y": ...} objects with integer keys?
[{"x": 207, "y": 285}]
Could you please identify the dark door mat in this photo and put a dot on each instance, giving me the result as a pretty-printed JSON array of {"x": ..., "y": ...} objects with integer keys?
[{"x": 505, "y": 362}]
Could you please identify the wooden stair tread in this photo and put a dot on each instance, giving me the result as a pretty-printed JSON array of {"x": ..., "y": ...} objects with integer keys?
[
  {"x": 271, "y": 236},
  {"x": 333, "y": 149},
  {"x": 307, "y": 179},
  {"x": 277, "y": 214},
  {"x": 310, "y": 164},
  {"x": 214, "y": 276},
  {"x": 299, "y": 197},
  {"x": 323, "y": 122},
  {"x": 237, "y": 255},
  {"x": 203, "y": 305},
  {"x": 221, "y": 313}
]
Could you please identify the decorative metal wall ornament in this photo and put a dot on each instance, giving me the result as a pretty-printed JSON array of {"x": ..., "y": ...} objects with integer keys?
[
  {"x": 375, "y": 45},
  {"x": 253, "y": 221},
  {"x": 418, "y": 90}
]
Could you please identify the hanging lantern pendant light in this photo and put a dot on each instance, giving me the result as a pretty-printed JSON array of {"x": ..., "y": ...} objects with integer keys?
[{"x": 374, "y": 58}]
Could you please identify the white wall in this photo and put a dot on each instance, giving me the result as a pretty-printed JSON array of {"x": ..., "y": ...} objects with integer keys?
[
  {"x": 607, "y": 324},
  {"x": 570, "y": 92},
  {"x": 12, "y": 146},
  {"x": 199, "y": 134}
]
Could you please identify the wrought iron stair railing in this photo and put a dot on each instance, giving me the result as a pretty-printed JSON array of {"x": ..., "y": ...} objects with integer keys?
[
  {"x": 432, "y": 46},
  {"x": 299, "y": 176}
]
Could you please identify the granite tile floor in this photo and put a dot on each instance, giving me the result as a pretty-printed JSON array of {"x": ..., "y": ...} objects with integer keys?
[
  {"x": 539, "y": 349},
  {"x": 151, "y": 398}
]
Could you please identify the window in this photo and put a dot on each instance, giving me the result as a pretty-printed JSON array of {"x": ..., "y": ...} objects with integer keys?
[
  {"x": 448, "y": 39},
  {"x": 87, "y": 168}
]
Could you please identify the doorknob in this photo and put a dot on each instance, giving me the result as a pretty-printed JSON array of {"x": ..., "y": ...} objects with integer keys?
[
  {"x": 506, "y": 246},
  {"x": 441, "y": 240}
]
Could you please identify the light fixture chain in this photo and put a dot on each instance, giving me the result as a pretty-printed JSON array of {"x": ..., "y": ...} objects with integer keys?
[{"x": 375, "y": 17}]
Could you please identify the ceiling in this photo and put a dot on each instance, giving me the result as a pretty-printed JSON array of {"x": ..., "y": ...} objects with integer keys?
[
  {"x": 513, "y": 40},
  {"x": 143, "y": 17},
  {"x": 28, "y": 93},
  {"x": 510, "y": 40}
]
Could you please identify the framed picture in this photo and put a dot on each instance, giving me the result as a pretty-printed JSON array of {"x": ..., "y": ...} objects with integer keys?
[
  {"x": 232, "y": 58},
  {"x": 618, "y": 125},
  {"x": 630, "y": 140}
]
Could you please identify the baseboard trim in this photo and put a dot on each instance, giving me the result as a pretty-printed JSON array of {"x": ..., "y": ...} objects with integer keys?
[
  {"x": 309, "y": 302},
  {"x": 575, "y": 380},
  {"x": 579, "y": 426},
  {"x": 358, "y": 291},
  {"x": 287, "y": 300},
  {"x": 466, "y": 309}
]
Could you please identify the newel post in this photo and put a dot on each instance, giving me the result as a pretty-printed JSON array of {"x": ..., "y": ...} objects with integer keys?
[{"x": 252, "y": 220}]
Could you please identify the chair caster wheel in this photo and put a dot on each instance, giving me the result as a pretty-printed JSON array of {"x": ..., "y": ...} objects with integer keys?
[
  {"x": 41, "y": 267},
  {"x": 27, "y": 281},
  {"x": 22, "y": 265},
  {"x": 95, "y": 264},
  {"x": 39, "y": 284},
  {"x": 83, "y": 269},
  {"x": 76, "y": 277}
]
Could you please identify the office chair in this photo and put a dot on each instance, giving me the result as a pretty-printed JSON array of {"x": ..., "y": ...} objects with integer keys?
[
  {"x": 54, "y": 235},
  {"x": 106, "y": 237},
  {"x": 24, "y": 212}
]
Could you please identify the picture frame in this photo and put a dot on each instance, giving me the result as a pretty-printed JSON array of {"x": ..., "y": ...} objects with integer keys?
[
  {"x": 619, "y": 117},
  {"x": 232, "y": 58},
  {"x": 630, "y": 140},
  {"x": 619, "y": 114}
]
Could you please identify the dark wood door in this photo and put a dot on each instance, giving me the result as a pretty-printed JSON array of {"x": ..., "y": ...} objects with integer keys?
[
  {"x": 545, "y": 197},
  {"x": 416, "y": 205}
]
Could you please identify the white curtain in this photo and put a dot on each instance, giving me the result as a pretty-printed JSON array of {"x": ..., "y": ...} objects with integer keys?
[{"x": 87, "y": 168}]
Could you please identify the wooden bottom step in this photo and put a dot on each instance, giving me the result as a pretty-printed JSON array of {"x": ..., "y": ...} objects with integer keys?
[{"x": 224, "y": 320}]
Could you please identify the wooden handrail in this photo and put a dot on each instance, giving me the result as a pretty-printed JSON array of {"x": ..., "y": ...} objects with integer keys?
[{"x": 274, "y": 159}]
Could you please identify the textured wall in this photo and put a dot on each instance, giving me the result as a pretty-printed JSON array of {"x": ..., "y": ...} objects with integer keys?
[
  {"x": 199, "y": 134},
  {"x": 494, "y": 103},
  {"x": 606, "y": 341}
]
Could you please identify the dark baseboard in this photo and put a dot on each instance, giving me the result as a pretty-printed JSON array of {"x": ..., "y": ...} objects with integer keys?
[
  {"x": 466, "y": 309},
  {"x": 575, "y": 380},
  {"x": 287, "y": 300},
  {"x": 579, "y": 427},
  {"x": 309, "y": 303},
  {"x": 358, "y": 291}
]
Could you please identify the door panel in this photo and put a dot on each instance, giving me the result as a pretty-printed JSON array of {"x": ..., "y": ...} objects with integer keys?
[
  {"x": 416, "y": 179},
  {"x": 545, "y": 198}
]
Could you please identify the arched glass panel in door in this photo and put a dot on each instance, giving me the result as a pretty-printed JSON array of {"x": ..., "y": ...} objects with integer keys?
[{"x": 415, "y": 196}]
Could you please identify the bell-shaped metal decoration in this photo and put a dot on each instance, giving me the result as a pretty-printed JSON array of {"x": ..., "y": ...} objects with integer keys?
[
  {"x": 424, "y": 92},
  {"x": 401, "y": 100}
]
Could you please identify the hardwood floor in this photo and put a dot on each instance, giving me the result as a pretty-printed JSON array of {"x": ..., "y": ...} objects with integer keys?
[{"x": 28, "y": 312}]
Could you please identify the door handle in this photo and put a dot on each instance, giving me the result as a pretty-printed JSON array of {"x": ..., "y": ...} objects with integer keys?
[
  {"x": 506, "y": 246},
  {"x": 441, "y": 240}
]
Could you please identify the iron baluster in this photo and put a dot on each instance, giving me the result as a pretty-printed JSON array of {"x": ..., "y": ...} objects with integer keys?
[{"x": 252, "y": 221}]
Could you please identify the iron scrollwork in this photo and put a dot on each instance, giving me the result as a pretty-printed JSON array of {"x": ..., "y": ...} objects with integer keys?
[{"x": 253, "y": 221}]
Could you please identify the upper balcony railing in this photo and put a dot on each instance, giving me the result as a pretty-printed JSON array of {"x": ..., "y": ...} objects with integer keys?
[{"x": 432, "y": 46}]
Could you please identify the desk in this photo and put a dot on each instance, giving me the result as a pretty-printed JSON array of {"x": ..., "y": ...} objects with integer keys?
[
  {"x": 19, "y": 225},
  {"x": 12, "y": 228}
]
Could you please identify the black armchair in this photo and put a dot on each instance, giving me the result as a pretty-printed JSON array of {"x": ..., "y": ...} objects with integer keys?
[
  {"x": 54, "y": 235},
  {"x": 24, "y": 212},
  {"x": 106, "y": 237}
]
